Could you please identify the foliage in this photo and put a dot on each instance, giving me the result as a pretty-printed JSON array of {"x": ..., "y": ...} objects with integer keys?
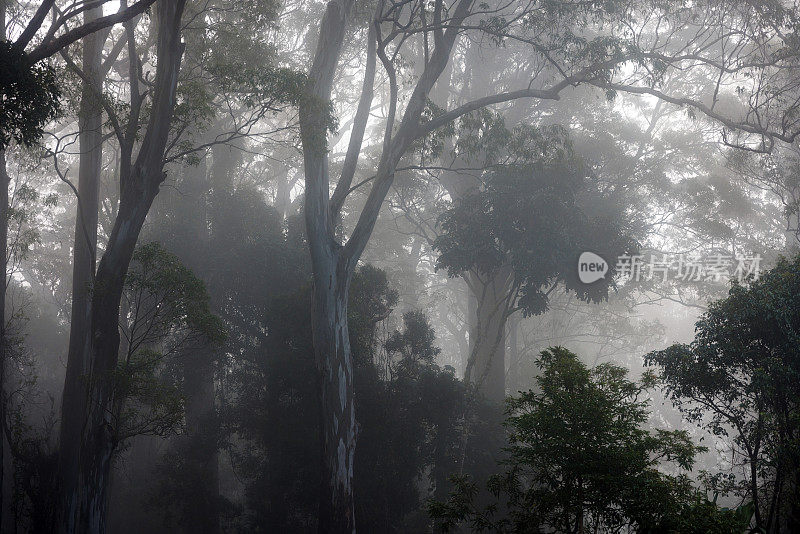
[
  {"x": 24, "y": 206},
  {"x": 28, "y": 431},
  {"x": 579, "y": 458},
  {"x": 264, "y": 87},
  {"x": 538, "y": 219},
  {"x": 415, "y": 344},
  {"x": 409, "y": 409},
  {"x": 740, "y": 378},
  {"x": 167, "y": 295},
  {"x": 167, "y": 309},
  {"x": 28, "y": 97},
  {"x": 700, "y": 515}
]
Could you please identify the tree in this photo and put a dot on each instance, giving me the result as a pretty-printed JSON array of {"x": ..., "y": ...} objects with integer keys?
[
  {"x": 223, "y": 228},
  {"x": 580, "y": 460},
  {"x": 84, "y": 503},
  {"x": 739, "y": 378},
  {"x": 520, "y": 236},
  {"x": 550, "y": 32},
  {"x": 29, "y": 98},
  {"x": 249, "y": 85},
  {"x": 166, "y": 317},
  {"x": 84, "y": 254}
]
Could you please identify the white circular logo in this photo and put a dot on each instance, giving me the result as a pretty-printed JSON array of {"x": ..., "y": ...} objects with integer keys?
[{"x": 591, "y": 267}]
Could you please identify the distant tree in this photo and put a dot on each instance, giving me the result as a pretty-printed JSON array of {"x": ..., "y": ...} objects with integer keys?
[
  {"x": 409, "y": 412},
  {"x": 740, "y": 378},
  {"x": 223, "y": 229},
  {"x": 411, "y": 415},
  {"x": 524, "y": 230},
  {"x": 580, "y": 460}
]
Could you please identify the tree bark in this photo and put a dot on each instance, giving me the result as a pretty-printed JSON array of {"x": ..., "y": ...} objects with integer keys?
[
  {"x": 512, "y": 376},
  {"x": 198, "y": 375},
  {"x": 73, "y": 400},
  {"x": 331, "y": 279},
  {"x": 198, "y": 367},
  {"x": 335, "y": 375},
  {"x": 486, "y": 366}
]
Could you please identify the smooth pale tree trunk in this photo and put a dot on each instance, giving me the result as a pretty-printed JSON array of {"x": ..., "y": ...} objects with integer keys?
[
  {"x": 335, "y": 376},
  {"x": 792, "y": 233},
  {"x": 486, "y": 366},
  {"x": 139, "y": 185},
  {"x": 512, "y": 376},
  {"x": 283, "y": 192},
  {"x": 331, "y": 279},
  {"x": 73, "y": 400}
]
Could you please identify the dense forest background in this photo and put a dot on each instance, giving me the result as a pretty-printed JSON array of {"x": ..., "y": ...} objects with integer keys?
[{"x": 316, "y": 266}]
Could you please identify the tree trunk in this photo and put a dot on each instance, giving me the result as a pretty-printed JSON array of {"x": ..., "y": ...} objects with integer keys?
[
  {"x": 331, "y": 280},
  {"x": 73, "y": 400},
  {"x": 332, "y": 263},
  {"x": 335, "y": 386},
  {"x": 486, "y": 367},
  {"x": 198, "y": 365},
  {"x": 98, "y": 438},
  {"x": 512, "y": 377},
  {"x": 198, "y": 374}
]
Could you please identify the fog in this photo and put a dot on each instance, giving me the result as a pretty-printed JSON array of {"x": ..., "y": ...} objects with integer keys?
[{"x": 400, "y": 266}]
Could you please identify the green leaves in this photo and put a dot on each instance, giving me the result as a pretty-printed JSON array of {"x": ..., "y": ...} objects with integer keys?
[
  {"x": 264, "y": 86},
  {"x": 580, "y": 455},
  {"x": 741, "y": 377},
  {"x": 166, "y": 312},
  {"x": 538, "y": 218},
  {"x": 415, "y": 344},
  {"x": 28, "y": 97},
  {"x": 179, "y": 299}
]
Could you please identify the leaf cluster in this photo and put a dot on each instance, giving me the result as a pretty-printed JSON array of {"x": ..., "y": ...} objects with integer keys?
[
  {"x": 29, "y": 97},
  {"x": 538, "y": 219}
]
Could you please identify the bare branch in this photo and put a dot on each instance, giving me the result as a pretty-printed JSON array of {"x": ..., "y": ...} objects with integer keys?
[{"x": 50, "y": 48}]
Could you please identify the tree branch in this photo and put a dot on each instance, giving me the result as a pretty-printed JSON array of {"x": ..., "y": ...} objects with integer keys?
[
  {"x": 50, "y": 48},
  {"x": 359, "y": 126}
]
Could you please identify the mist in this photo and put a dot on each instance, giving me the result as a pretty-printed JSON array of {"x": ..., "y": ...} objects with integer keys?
[{"x": 400, "y": 266}]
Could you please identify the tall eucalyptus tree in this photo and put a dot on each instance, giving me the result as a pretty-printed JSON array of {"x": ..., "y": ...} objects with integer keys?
[{"x": 84, "y": 490}]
